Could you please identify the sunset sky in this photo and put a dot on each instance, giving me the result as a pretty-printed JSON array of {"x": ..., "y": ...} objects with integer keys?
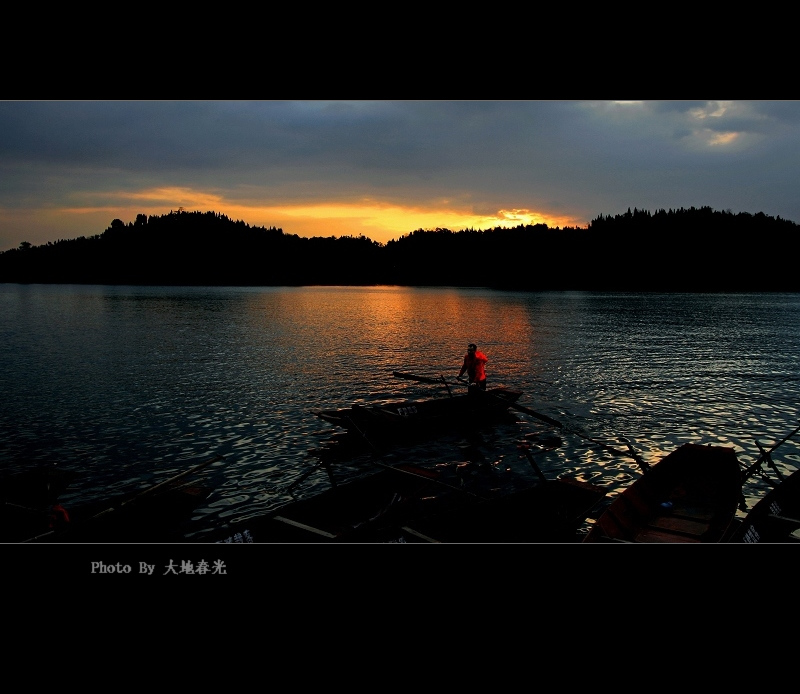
[{"x": 386, "y": 168}]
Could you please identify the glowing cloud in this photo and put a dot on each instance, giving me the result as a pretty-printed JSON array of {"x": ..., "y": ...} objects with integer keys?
[
  {"x": 722, "y": 138},
  {"x": 379, "y": 221}
]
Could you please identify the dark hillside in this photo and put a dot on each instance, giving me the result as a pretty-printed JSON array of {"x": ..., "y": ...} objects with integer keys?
[
  {"x": 186, "y": 248},
  {"x": 695, "y": 249}
]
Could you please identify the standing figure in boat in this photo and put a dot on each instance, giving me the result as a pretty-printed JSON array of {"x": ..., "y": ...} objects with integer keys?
[{"x": 474, "y": 366}]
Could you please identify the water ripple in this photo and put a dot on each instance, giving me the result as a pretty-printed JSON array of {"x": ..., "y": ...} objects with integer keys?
[{"x": 129, "y": 386}]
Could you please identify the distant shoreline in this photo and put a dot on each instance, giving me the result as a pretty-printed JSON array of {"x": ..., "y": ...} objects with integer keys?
[{"x": 694, "y": 250}]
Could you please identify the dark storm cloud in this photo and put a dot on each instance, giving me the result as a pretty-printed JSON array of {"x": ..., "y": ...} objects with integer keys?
[
  {"x": 151, "y": 136},
  {"x": 434, "y": 148}
]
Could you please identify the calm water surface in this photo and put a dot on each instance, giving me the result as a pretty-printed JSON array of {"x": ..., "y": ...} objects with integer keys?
[{"x": 129, "y": 386}]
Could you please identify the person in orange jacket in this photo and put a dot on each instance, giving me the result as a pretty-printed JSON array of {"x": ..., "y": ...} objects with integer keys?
[{"x": 474, "y": 362}]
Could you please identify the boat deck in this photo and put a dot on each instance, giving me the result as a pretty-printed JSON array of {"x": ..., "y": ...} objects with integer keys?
[{"x": 689, "y": 497}]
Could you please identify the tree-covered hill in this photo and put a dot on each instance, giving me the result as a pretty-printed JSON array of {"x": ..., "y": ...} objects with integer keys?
[{"x": 695, "y": 249}]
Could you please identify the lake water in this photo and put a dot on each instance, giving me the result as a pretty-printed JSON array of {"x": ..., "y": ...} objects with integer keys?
[{"x": 129, "y": 386}]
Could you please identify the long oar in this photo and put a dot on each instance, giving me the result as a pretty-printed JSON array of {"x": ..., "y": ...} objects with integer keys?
[
  {"x": 447, "y": 386},
  {"x": 136, "y": 497},
  {"x": 572, "y": 430},
  {"x": 526, "y": 410},
  {"x": 766, "y": 457},
  {"x": 414, "y": 377},
  {"x": 533, "y": 463}
]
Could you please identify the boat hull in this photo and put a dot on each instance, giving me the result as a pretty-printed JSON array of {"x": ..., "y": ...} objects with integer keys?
[
  {"x": 690, "y": 496},
  {"x": 409, "y": 504},
  {"x": 423, "y": 417}
]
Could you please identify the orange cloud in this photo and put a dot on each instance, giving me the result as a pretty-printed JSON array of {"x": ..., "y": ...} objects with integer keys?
[{"x": 377, "y": 220}]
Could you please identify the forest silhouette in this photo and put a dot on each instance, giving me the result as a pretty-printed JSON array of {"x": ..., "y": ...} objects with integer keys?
[{"x": 683, "y": 250}]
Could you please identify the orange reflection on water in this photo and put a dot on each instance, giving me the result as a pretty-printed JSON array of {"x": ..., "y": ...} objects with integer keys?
[{"x": 423, "y": 330}]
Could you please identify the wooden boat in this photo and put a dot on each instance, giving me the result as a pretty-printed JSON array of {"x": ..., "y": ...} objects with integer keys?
[
  {"x": 775, "y": 518},
  {"x": 153, "y": 517},
  {"x": 30, "y": 501},
  {"x": 380, "y": 498},
  {"x": 154, "y": 514},
  {"x": 414, "y": 417},
  {"x": 691, "y": 495},
  {"x": 549, "y": 511},
  {"x": 411, "y": 504}
]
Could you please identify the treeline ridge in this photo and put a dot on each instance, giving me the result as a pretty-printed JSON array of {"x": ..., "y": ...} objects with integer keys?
[{"x": 695, "y": 249}]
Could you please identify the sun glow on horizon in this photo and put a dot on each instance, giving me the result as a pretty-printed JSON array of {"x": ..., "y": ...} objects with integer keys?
[
  {"x": 376, "y": 220},
  {"x": 383, "y": 222}
]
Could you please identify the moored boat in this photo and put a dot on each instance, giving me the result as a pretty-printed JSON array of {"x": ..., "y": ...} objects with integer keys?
[
  {"x": 690, "y": 496},
  {"x": 154, "y": 514},
  {"x": 153, "y": 518},
  {"x": 407, "y": 503},
  {"x": 29, "y": 502},
  {"x": 379, "y": 499},
  {"x": 775, "y": 518},
  {"x": 411, "y": 417}
]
